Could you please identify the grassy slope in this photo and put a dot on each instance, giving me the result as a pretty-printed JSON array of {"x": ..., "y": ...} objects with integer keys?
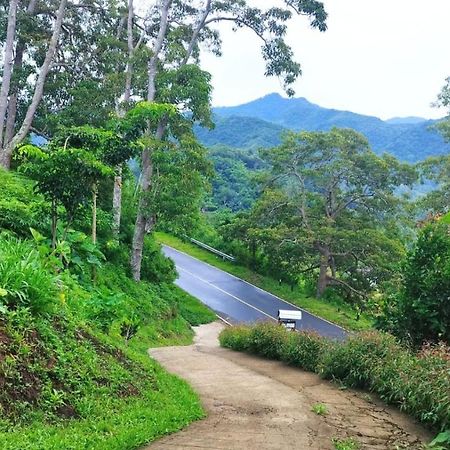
[
  {"x": 65, "y": 385},
  {"x": 81, "y": 390},
  {"x": 339, "y": 313}
]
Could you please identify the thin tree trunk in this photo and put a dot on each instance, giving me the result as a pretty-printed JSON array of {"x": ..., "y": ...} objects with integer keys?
[
  {"x": 7, "y": 63},
  {"x": 196, "y": 33},
  {"x": 322, "y": 282},
  {"x": 12, "y": 103},
  {"x": 10, "y": 118},
  {"x": 94, "y": 213},
  {"x": 117, "y": 201},
  {"x": 94, "y": 225},
  {"x": 129, "y": 71},
  {"x": 117, "y": 191},
  {"x": 38, "y": 90},
  {"x": 54, "y": 223},
  {"x": 143, "y": 216},
  {"x": 153, "y": 62}
]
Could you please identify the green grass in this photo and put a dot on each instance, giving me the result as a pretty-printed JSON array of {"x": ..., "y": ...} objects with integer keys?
[
  {"x": 346, "y": 444},
  {"x": 68, "y": 387},
  {"x": 69, "y": 378},
  {"x": 337, "y": 312},
  {"x": 320, "y": 409}
]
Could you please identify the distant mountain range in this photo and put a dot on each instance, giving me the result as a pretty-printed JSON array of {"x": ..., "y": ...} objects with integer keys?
[{"x": 261, "y": 122}]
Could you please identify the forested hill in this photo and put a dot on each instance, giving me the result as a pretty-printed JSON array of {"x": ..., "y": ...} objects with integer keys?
[{"x": 261, "y": 122}]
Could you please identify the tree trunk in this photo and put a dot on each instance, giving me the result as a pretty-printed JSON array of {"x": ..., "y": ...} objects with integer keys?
[
  {"x": 94, "y": 225},
  {"x": 142, "y": 215},
  {"x": 94, "y": 213},
  {"x": 7, "y": 63},
  {"x": 117, "y": 201},
  {"x": 142, "y": 224},
  {"x": 54, "y": 223},
  {"x": 18, "y": 64},
  {"x": 129, "y": 70},
  {"x": 322, "y": 282},
  {"x": 39, "y": 88}
]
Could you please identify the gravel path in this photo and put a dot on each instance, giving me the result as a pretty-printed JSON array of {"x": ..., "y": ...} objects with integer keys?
[{"x": 253, "y": 403}]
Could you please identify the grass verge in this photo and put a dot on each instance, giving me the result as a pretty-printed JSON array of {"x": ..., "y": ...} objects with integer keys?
[
  {"x": 337, "y": 312},
  {"x": 65, "y": 386}
]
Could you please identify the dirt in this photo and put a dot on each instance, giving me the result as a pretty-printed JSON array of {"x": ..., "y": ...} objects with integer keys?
[{"x": 253, "y": 403}]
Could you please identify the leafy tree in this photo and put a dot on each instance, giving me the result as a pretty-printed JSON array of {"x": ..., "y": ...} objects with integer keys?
[
  {"x": 421, "y": 311},
  {"x": 181, "y": 28},
  {"x": 65, "y": 176},
  {"x": 8, "y": 139},
  {"x": 437, "y": 169},
  {"x": 332, "y": 205}
]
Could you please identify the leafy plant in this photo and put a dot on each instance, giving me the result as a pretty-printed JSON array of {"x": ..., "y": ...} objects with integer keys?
[
  {"x": 346, "y": 444},
  {"x": 320, "y": 409},
  {"x": 421, "y": 311},
  {"x": 441, "y": 441},
  {"x": 25, "y": 278}
]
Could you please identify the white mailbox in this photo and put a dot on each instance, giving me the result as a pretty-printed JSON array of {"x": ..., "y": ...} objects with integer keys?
[{"x": 288, "y": 318}]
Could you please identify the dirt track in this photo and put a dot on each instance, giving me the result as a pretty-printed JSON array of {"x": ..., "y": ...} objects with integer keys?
[{"x": 254, "y": 403}]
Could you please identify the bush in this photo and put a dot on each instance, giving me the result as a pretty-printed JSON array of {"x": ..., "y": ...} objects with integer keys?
[
  {"x": 155, "y": 266},
  {"x": 268, "y": 340},
  {"x": 354, "y": 362},
  {"x": 418, "y": 384},
  {"x": 25, "y": 281},
  {"x": 236, "y": 338},
  {"x": 421, "y": 311},
  {"x": 304, "y": 350},
  {"x": 20, "y": 207}
]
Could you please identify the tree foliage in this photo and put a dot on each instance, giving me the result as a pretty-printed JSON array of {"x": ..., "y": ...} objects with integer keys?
[
  {"x": 421, "y": 310},
  {"x": 329, "y": 211}
]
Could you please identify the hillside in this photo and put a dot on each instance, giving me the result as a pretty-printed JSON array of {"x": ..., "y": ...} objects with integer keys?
[
  {"x": 260, "y": 123},
  {"x": 74, "y": 334}
]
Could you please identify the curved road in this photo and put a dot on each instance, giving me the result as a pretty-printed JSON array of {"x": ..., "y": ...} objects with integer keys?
[{"x": 236, "y": 300}]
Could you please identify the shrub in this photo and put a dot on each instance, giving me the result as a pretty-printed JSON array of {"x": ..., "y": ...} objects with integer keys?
[
  {"x": 418, "y": 384},
  {"x": 421, "y": 311},
  {"x": 355, "y": 360},
  {"x": 236, "y": 338},
  {"x": 267, "y": 339},
  {"x": 25, "y": 281},
  {"x": 20, "y": 207},
  {"x": 155, "y": 266},
  {"x": 304, "y": 350}
]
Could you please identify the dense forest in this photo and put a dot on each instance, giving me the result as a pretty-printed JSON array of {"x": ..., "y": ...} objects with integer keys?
[{"x": 101, "y": 109}]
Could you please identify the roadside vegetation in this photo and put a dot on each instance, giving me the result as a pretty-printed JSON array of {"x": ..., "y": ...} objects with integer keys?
[
  {"x": 74, "y": 334},
  {"x": 416, "y": 382}
]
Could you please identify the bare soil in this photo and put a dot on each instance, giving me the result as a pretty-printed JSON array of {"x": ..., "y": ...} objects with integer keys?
[{"x": 254, "y": 403}]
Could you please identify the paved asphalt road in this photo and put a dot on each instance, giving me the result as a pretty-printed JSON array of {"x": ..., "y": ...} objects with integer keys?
[{"x": 237, "y": 301}]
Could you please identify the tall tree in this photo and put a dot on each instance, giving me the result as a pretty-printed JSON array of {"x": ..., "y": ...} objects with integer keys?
[
  {"x": 180, "y": 27},
  {"x": 339, "y": 201},
  {"x": 437, "y": 169},
  {"x": 6, "y": 150}
]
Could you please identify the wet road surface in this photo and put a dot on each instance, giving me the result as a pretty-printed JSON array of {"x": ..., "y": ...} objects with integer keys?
[{"x": 237, "y": 301}]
